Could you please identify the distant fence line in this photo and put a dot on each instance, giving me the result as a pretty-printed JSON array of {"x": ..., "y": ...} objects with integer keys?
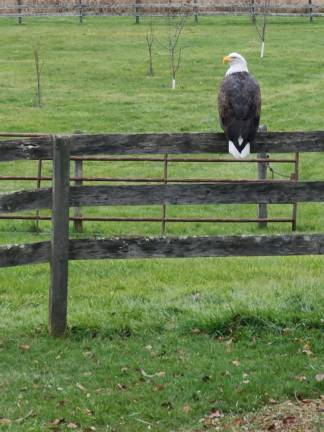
[
  {"x": 138, "y": 9},
  {"x": 61, "y": 196}
]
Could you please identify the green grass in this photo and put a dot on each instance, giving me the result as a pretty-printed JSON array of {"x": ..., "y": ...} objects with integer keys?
[{"x": 189, "y": 319}]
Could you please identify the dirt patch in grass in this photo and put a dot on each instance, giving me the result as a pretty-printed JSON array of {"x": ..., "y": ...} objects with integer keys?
[{"x": 300, "y": 416}]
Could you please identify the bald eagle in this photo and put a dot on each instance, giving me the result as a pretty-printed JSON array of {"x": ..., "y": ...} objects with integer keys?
[{"x": 239, "y": 105}]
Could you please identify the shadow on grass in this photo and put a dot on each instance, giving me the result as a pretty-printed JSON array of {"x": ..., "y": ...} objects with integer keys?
[{"x": 234, "y": 324}]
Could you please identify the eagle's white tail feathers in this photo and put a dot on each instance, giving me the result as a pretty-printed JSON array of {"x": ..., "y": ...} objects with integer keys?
[{"x": 238, "y": 155}]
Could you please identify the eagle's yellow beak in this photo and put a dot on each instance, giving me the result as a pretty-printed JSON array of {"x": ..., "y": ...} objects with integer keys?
[{"x": 227, "y": 59}]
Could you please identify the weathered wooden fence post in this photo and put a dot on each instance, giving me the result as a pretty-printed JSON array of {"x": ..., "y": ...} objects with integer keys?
[
  {"x": 310, "y": 11},
  {"x": 60, "y": 237},
  {"x": 253, "y": 11},
  {"x": 80, "y": 12},
  {"x": 195, "y": 11},
  {"x": 137, "y": 11},
  {"x": 19, "y": 11}
]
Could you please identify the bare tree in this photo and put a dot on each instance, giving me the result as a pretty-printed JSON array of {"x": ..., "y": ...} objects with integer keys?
[
  {"x": 260, "y": 21},
  {"x": 149, "y": 42},
  {"x": 175, "y": 26},
  {"x": 38, "y": 71}
]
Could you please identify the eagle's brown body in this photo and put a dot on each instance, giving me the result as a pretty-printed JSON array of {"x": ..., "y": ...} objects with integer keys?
[{"x": 239, "y": 105}]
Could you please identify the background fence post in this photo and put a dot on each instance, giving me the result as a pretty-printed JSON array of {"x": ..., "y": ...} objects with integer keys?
[
  {"x": 78, "y": 172},
  {"x": 19, "y": 11},
  {"x": 137, "y": 11},
  {"x": 195, "y": 10},
  {"x": 253, "y": 11},
  {"x": 60, "y": 237},
  {"x": 310, "y": 10},
  {"x": 80, "y": 12}
]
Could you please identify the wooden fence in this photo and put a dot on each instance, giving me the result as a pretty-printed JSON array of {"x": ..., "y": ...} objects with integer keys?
[
  {"x": 61, "y": 197},
  {"x": 80, "y": 9}
]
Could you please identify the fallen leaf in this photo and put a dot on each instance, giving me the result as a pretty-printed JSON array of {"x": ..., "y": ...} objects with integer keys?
[
  {"x": 195, "y": 331},
  {"x": 159, "y": 387},
  {"x": 72, "y": 425},
  {"x": 307, "y": 350},
  {"x": 236, "y": 363},
  {"x": 21, "y": 419},
  {"x": 80, "y": 387},
  {"x": 288, "y": 420},
  {"x": 24, "y": 347},
  {"x": 319, "y": 377},
  {"x": 5, "y": 421},
  {"x": 301, "y": 378},
  {"x": 186, "y": 408},
  {"x": 212, "y": 418},
  {"x": 56, "y": 422},
  {"x": 121, "y": 386},
  {"x": 157, "y": 374},
  {"x": 88, "y": 411}
]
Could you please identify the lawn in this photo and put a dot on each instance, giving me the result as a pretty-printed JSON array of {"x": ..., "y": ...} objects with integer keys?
[{"x": 159, "y": 344}]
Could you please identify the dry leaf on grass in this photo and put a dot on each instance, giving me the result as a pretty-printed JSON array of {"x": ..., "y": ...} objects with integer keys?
[
  {"x": 301, "y": 378},
  {"x": 56, "y": 422},
  {"x": 213, "y": 418},
  {"x": 157, "y": 374},
  {"x": 186, "y": 408},
  {"x": 80, "y": 387},
  {"x": 307, "y": 350},
  {"x": 121, "y": 386},
  {"x": 24, "y": 347},
  {"x": 303, "y": 416},
  {"x": 5, "y": 421},
  {"x": 21, "y": 419}
]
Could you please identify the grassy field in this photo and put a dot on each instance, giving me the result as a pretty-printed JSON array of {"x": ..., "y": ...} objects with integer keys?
[{"x": 158, "y": 345}]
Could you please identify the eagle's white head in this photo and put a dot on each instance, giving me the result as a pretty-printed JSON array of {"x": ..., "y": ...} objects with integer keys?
[{"x": 237, "y": 63}]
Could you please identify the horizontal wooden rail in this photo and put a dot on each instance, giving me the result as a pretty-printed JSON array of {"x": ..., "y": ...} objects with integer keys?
[
  {"x": 167, "y": 247},
  {"x": 179, "y": 5},
  {"x": 271, "y": 192},
  {"x": 175, "y": 143}
]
